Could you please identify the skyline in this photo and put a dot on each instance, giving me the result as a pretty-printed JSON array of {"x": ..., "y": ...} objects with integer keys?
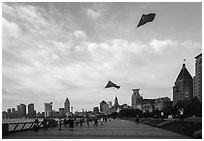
[{"x": 51, "y": 51}]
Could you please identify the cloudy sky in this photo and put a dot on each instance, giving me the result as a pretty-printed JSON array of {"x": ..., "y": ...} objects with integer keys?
[{"x": 51, "y": 51}]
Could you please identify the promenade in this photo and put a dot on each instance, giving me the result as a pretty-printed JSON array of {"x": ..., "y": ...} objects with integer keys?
[{"x": 116, "y": 129}]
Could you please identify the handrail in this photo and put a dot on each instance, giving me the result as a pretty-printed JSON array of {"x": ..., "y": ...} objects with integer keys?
[{"x": 16, "y": 127}]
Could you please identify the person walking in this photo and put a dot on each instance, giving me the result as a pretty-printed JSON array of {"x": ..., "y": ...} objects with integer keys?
[
  {"x": 95, "y": 122},
  {"x": 45, "y": 124},
  {"x": 36, "y": 125},
  {"x": 137, "y": 119},
  {"x": 101, "y": 121},
  {"x": 181, "y": 113},
  {"x": 71, "y": 124},
  {"x": 60, "y": 126},
  {"x": 87, "y": 122},
  {"x": 81, "y": 122},
  {"x": 162, "y": 115}
]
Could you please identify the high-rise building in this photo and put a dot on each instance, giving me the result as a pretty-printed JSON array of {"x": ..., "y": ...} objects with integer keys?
[
  {"x": 136, "y": 101},
  {"x": 48, "y": 109},
  {"x": 9, "y": 113},
  {"x": 18, "y": 111},
  {"x": 183, "y": 88},
  {"x": 104, "y": 107},
  {"x": 198, "y": 78},
  {"x": 13, "y": 113},
  {"x": 22, "y": 110},
  {"x": 101, "y": 105},
  {"x": 31, "y": 111},
  {"x": 61, "y": 112},
  {"x": 67, "y": 107}
]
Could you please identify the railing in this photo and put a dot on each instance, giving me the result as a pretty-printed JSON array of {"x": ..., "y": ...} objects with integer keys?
[{"x": 16, "y": 127}]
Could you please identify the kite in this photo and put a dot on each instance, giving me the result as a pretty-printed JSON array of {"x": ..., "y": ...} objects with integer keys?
[
  {"x": 111, "y": 84},
  {"x": 146, "y": 18}
]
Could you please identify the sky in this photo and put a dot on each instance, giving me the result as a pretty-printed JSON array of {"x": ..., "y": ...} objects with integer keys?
[{"x": 51, "y": 51}]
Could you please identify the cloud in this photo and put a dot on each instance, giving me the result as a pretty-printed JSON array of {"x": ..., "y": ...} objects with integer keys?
[
  {"x": 93, "y": 13},
  {"x": 159, "y": 46},
  {"x": 10, "y": 29},
  {"x": 80, "y": 35}
]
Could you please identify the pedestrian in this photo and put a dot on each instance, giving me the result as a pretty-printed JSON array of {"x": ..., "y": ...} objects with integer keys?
[
  {"x": 77, "y": 121},
  {"x": 71, "y": 124},
  {"x": 109, "y": 119},
  {"x": 81, "y": 122},
  {"x": 181, "y": 113},
  {"x": 60, "y": 124},
  {"x": 36, "y": 125},
  {"x": 162, "y": 115},
  {"x": 87, "y": 121},
  {"x": 45, "y": 124},
  {"x": 65, "y": 122},
  {"x": 101, "y": 121},
  {"x": 137, "y": 119},
  {"x": 95, "y": 122}
]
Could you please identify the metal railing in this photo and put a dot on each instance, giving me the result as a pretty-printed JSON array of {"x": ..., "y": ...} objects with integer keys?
[{"x": 17, "y": 127}]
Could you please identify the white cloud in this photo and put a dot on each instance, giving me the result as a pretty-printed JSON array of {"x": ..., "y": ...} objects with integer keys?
[
  {"x": 80, "y": 35},
  {"x": 160, "y": 46},
  {"x": 10, "y": 29},
  {"x": 93, "y": 13}
]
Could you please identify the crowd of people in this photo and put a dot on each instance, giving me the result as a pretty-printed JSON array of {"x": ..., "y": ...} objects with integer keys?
[
  {"x": 69, "y": 122},
  {"x": 73, "y": 121}
]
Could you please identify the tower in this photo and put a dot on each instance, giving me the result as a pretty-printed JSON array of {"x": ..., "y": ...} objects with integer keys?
[
  {"x": 22, "y": 110},
  {"x": 198, "y": 78},
  {"x": 48, "y": 109},
  {"x": 31, "y": 111},
  {"x": 183, "y": 88},
  {"x": 67, "y": 107},
  {"x": 136, "y": 101}
]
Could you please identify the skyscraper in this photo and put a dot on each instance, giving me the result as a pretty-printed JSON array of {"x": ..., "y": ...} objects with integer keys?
[
  {"x": 22, "y": 110},
  {"x": 136, "y": 101},
  {"x": 31, "y": 111},
  {"x": 18, "y": 111},
  {"x": 198, "y": 78},
  {"x": 9, "y": 113},
  {"x": 101, "y": 105},
  {"x": 67, "y": 107},
  {"x": 183, "y": 88},
  {"x": 48, "y": 109},
  {"x": 61, "y": 112}
]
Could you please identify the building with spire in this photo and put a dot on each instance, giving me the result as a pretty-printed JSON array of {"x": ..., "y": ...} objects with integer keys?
[
  {"x": 183, "y": 86},
  {"x": 116, "y": 104},
  {"x": 67, "y": 107}
]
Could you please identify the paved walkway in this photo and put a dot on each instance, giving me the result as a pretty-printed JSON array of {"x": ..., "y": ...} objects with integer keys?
[{"x": 115, "y": 129}]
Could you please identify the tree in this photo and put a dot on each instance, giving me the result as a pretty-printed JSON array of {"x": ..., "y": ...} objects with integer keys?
[{"x": 191, "y": 107}]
